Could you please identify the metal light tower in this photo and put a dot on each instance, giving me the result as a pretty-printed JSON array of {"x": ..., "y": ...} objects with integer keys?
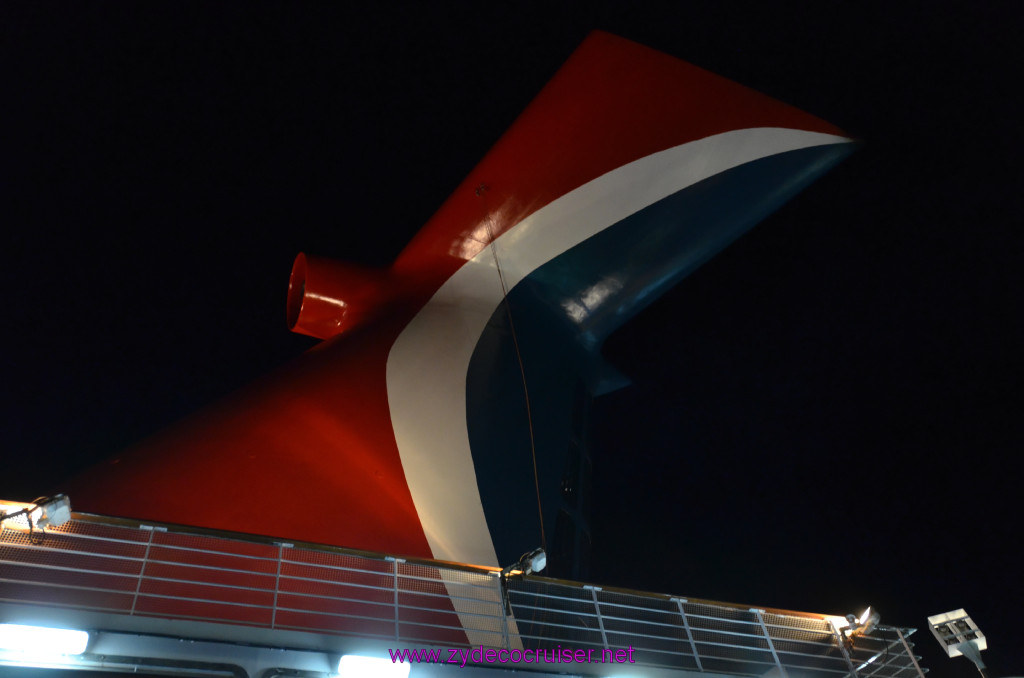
[{"x": 959, "y": 635}]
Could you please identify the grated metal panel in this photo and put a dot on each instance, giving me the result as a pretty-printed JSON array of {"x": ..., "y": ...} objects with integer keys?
[{"x": 101, "y": 564}]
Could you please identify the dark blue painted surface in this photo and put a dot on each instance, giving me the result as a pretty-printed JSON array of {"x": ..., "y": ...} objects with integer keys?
[{"x": 562, "y": 314}]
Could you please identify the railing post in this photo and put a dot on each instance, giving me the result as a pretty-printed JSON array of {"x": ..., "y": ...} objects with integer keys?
[
  {"x": 395, "y": 562},
  {"x": 277, "y": 580},
  {"x": 842, "y": 648},
  {"x": 505, "y": 606},
  {"x": 689, "y": 635},
  {"x": 597, "y": 609},
  {"x": 910, "y": 652},
  {"x": 768, "y": 637},
  {"x": 142, "y": 570}
]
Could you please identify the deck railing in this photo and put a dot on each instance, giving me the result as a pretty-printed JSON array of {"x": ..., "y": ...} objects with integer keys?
[{"x": 115, "y": 566}]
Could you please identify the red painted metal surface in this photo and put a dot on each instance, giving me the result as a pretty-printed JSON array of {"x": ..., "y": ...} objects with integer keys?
[{"x": 308, "y": 453}]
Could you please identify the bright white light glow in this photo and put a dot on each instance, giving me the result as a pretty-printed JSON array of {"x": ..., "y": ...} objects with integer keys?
[
  {"x": 21, "y": 522},
  {"x": 358, "y": 666},
  {"x": 40, "y": 640},
  {"x": 838, "y": 622},
  {"x": 865, "y": 616}
]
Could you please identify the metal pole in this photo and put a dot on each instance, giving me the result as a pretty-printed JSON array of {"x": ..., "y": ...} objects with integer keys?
[
  {"x": 767, "y": 637},
  {"x": 597, "y": 609},
  {"x": 277, "y": 582},
  {"x": 395, "y": 562},
  {"x": 689, "y": 635},
  {"x": 910, "y": 653},
  {"x": 502, "y": 596},
  {"x": 842, "y": 648},
  {"x": 142, "y": 570}
]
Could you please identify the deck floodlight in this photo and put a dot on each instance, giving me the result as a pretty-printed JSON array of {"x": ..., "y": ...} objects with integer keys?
[
  {"x": 528, "y": 563},
  {"x": 854, "y": 625},
  {"x": 41, "y": 640},
  {"x": 959, "y": 635},
  {"x": 867, "y": 621},
  {"x": 535, "y": 561},
  {"x": 56, "y": 511},
  {"x": 360, "y": 666}
]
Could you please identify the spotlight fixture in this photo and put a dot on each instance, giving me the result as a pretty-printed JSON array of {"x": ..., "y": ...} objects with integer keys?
[
  {"x": 852, "y": 625},
  {"x": 865, "y": 623},
  {"x": 528, "y": 563},
  {"x": 959, "y": 635}
]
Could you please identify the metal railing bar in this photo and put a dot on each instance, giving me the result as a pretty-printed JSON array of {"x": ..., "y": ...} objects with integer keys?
[
  {"x": 881, "y": 665},
  {"x": 670, "y": 613},
  {"x": 402, "y": 606},
  {"x": 816, "y": 669},
  {"x": 387, "y": 589},
  {"x": 353, "y": 584},
  {"x": 884, "y": 664},
  {"x": 488, "y": 589},
  {"x": 38, "y": 548},
  {"x": 535, "y": 594},
  {"x": 255, "y": 606},
  {"x": 337, "y": 568},
  {"x": 552, "y": 624},
  {"x": 829, "y": 657},
  {"x": 885, "y": 651},
  {"x": 22, "y": 601},
  {"x": 676, "y": 625},
  {"x": 652, "y": 636},
  {"x": 706, "y": 630},
  {"x": 574, "y": 613},
  {"x": 75, "y": 587},
  {"x": 697, "y": 629},
  {"x": 211, "y": 552},
  {"x": 489, "y": 586},
  {"x": 72, "y": 535},
  {"x": 62, "y": 568},
  {"x": 235, "y": 587},
  {"x": 720, "y": 621},
  {"x": 342, "y": 615},
  {"x": 801, "y": 641},
  {"x": 711, "y": 643},
  {"x": 214, "y": 568},
  {"x": 43, "y": 547},
  {"x": 824, "y": 628}
]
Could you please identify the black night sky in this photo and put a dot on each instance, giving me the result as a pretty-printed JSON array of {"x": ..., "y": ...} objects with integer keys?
[{"x": 822, "y": 417}]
